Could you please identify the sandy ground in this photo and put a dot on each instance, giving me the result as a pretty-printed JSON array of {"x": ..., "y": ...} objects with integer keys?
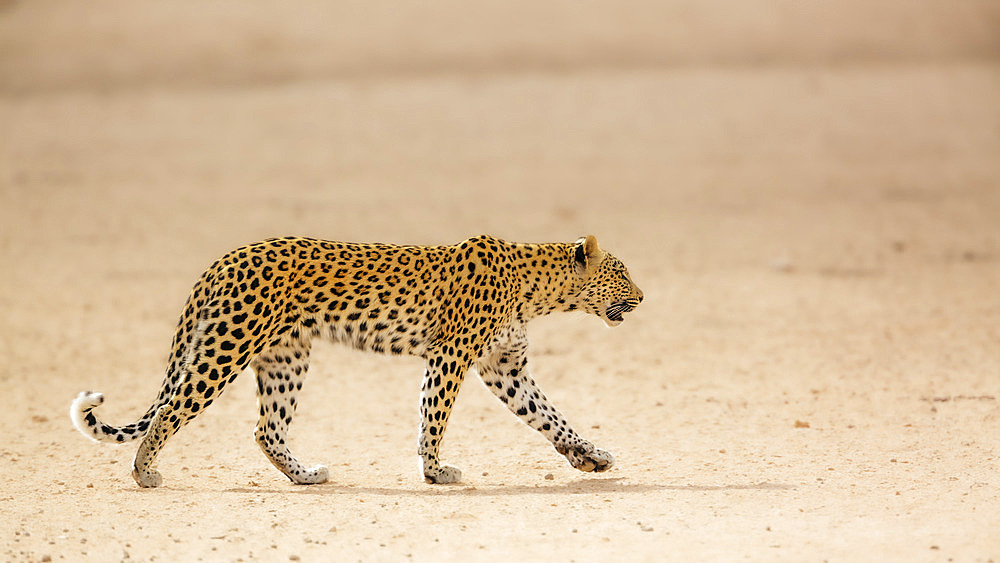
[{"x": 809, "y": 197}]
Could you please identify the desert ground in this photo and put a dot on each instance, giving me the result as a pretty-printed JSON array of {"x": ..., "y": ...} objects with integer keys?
[{"x": 808, "y": 193}]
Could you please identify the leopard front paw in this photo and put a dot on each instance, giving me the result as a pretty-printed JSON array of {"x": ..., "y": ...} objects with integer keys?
[
  {"x": 147, "y": 479},
  {"x": 442, "y": 475},
  {"x": 314, "y": 476},
  {"x": 586, "y": 457}
]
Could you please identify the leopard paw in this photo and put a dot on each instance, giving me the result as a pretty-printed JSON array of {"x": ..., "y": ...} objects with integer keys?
[
  {"x": 442, "y": 475},
  {"x": 588, "y": 458},
  {"x": 314, "y": 476},
  {"x": 147, "y": 479}
]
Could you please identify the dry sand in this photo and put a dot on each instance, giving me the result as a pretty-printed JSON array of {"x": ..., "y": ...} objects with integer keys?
[{"x": 808, "y": 196}]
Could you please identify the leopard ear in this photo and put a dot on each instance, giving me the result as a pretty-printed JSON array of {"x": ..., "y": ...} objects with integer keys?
[{"x": 588, "y": 254}]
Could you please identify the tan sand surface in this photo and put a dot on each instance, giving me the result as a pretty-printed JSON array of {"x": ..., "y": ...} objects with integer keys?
[{"x": 807, "y": 192}]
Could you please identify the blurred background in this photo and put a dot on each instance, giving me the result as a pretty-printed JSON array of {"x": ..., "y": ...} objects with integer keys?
[
  {"x": 433, "y": 121},
  {"x": 807, "y": 191}
]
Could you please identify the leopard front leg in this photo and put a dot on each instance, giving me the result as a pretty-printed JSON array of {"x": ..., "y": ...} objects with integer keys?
[
  {"x": 442, "y": 379},
  {"x": 505, "y": 373}
]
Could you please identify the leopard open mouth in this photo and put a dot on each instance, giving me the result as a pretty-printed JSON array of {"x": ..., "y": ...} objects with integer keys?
[{"x": 615, "y": 311}]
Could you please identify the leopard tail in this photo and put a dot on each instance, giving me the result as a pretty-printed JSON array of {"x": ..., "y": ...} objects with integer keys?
[{"x": 81, "y": 411}]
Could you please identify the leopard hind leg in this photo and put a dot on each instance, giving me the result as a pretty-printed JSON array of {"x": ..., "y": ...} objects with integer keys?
[
  {"x": 219, "y": 350},
  {"x": 281, "y": 369}
]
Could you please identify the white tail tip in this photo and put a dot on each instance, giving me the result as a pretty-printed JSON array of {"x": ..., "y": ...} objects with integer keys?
[{"x": 82, "y": 405}]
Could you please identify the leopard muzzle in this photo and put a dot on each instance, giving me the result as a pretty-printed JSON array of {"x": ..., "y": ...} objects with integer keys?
[{"x": 616, "y": 311}]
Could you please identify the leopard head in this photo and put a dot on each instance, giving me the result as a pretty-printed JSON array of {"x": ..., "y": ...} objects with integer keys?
[{"x": 606, "y": 288}]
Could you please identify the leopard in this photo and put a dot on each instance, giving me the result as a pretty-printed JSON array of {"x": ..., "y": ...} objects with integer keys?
[{"x": 460, "y": 308}]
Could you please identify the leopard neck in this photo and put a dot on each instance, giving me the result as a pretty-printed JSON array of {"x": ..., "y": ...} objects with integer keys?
[{"x": 549, "y": 282}]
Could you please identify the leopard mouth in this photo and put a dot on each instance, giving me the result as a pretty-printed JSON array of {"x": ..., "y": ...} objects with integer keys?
[{"x": 616, "y": 311}]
